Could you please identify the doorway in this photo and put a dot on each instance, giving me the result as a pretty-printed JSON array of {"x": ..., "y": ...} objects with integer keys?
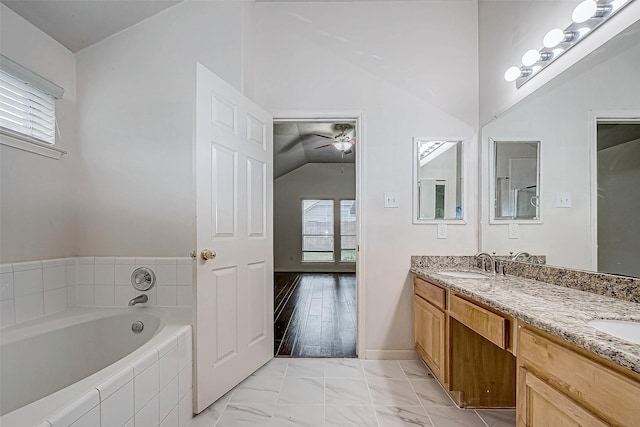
[
  {"x": 315, "y": 237},
  {"x": 618, "y": 179}
]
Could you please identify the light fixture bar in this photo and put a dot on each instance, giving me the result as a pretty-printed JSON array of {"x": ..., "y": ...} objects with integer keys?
[{"x": 587, "y": 16}]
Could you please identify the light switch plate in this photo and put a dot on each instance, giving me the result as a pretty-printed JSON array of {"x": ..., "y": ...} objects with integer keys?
[
  {"x": 442, "y": 231},
  {"x": 391, "y": 200},
  {"x": 563, "y": 200},
  {"x": 514, "y": 231}
]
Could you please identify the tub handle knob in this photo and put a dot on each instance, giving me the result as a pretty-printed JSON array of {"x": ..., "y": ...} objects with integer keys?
[{"x": 207, "y": 254}]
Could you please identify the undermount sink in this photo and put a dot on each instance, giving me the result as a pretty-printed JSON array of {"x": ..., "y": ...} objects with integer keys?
[
  {"x": 628, "y": 330},
  {"x": 463, "y": 274}
]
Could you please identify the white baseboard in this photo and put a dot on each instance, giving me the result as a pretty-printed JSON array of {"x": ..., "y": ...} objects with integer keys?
[{"x": 392, "y": 355}]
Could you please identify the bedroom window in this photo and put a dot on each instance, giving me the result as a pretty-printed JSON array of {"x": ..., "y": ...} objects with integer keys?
[
  {"x": 348, "y": 230},
  {"x": 317, "y": 230}
]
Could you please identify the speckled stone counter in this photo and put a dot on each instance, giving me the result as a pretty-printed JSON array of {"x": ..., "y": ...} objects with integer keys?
[{"x": 559, "y": 310}]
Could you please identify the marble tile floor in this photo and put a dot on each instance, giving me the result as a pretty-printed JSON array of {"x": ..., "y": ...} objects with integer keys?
[{"x": 344, "y": 392}]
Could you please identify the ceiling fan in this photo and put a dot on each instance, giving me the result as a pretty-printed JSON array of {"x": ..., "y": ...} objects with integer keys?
[{"x": 341, "y": 142}]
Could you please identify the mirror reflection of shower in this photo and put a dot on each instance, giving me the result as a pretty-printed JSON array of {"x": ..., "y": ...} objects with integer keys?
[
  {"x": 516, "y": 185},
  {"x": 439, "y": 179}
]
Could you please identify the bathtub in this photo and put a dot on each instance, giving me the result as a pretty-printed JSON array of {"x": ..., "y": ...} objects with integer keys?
[{"x": 87, "y": 366}]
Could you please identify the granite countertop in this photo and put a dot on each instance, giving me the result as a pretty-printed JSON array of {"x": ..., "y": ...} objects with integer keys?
[{"x": 561, "y": 311}]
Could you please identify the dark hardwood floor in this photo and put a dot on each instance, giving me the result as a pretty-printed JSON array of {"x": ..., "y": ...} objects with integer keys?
[{"x": 315, "y": 314}]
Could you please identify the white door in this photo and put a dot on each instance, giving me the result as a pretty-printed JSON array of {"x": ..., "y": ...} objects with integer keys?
[{"x": 234, "y": 290}]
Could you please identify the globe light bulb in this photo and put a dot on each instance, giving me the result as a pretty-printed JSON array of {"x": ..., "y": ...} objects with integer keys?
[
  {"x": 584, "y": 11},
  {"x": 530, "y": 57},
  {"x": 553, "y": 38},
  {"x": 512, "y": 74}
]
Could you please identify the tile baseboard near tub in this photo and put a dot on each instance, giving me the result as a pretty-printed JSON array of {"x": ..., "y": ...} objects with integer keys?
[{"x": 34, "y": 289}]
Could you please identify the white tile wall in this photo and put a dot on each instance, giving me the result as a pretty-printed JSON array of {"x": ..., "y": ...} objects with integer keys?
[
  {"x": 29, "y": 290},
  {"x": 106, "y": 281},
  {"x": 135, "y": 395}
]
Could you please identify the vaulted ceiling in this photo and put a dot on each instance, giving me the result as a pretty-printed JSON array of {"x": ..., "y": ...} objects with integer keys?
[{"x": 297, "y": 143}]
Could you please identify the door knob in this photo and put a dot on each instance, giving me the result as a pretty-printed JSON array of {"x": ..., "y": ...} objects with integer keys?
[{"x": 207, "y": 254}]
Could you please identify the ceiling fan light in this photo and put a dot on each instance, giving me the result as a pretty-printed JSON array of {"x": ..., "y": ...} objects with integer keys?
[{"x": 342, "y": 146}]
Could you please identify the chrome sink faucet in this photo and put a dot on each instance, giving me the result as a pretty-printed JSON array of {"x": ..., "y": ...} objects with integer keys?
[
  {"x": 139, "y": 300},
  {"x": 521, "y": 254},
  {"x": 484, "y": 257}
]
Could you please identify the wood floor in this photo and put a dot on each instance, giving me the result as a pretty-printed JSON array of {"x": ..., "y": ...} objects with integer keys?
[{"x": 315, "y": 314}]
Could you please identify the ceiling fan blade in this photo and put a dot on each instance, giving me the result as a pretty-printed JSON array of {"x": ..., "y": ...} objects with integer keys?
[
  {"x": 323, "y": 146},
  {"x": 323, "y": 136}
]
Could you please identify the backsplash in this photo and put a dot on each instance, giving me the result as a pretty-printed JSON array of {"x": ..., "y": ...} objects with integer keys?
[
  {"x": 30, "y": 290},
  {"x": 620, "y": 287}
]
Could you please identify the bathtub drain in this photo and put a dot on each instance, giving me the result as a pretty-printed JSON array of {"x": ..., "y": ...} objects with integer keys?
[{"x": 137, "y": 327}]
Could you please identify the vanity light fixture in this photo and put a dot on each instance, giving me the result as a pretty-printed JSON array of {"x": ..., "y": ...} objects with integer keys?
[{"x": 587, "y": 16}]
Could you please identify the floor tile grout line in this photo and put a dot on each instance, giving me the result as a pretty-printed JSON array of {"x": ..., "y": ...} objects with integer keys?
[
  {"x": 375, "y": 413},
  {"x": 480, "y": 416},
  {"x": 416, "y": 393},
  {"x": 284, "y": 375}
]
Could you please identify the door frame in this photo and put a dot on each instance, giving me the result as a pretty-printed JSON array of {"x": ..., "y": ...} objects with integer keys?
[
  {"x": 358, "y": 117},
  {"x": 594, "y": 117}
]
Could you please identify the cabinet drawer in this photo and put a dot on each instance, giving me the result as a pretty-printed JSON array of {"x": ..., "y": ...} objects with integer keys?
[
  {"x": 432, "y": 293},
  {"x": 603, "y": 391},
  {"x": 486, "y": 323}
]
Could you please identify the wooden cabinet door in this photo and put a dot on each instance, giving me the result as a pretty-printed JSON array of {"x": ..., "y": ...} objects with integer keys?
[
  {"x": 541, "y": 405},
  {"x": 429, "y": 327}
]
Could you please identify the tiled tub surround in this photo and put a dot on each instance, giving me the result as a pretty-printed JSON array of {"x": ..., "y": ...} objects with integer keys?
[
  {"x": 106, "y": 281},
  {"x": 30, "y": 290},
  {"x": 152, "y": 386},
  {"x": 561, "y": 311}
]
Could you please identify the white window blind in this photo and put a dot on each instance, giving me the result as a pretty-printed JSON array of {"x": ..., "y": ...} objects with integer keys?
[
  {"x": 317, "y": 230},
  {"x": 27, "y": 104},
  {"x": 348, "y": 230}
]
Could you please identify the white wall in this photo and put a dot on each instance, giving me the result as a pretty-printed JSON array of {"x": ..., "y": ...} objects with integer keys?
[
  {"x": 311, "y": 181},
  {"x": 37, "y": 211},
  {"x": 561, "y": 117},
  {"x": 390, "y": 61},
  {"x": 618, "y": 233},
  {"x": 136, "y": 94},
  {"x": 507, "y": 29}
]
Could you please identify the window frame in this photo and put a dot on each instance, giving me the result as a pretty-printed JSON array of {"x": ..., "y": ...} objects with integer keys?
[
  {"x": 355, "y": 234},
  {"x": 22, "y": 141},
  {"x": 333, "y": 249}
]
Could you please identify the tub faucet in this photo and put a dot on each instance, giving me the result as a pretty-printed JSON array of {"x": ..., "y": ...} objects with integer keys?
[
  {"x": 139, "y": 300},
  {"x": 484, "y": 257},
  {"x": 522, "y": 254}
]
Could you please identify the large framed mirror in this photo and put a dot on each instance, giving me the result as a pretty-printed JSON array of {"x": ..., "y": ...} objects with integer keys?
[
  {"x": 515, "y": 180},
  {"x": 588, "y": 119},
  {"x": 438, "y": 190}
]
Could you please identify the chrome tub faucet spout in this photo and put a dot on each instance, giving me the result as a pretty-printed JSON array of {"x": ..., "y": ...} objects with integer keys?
[{"x": 139, "y": 300}]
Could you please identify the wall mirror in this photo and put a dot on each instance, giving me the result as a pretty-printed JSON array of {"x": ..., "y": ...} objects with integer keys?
[
  {"x": 515, "y": 180},
  {"x": 438, "y": 182},
  {"x": 588, "y": 119}
]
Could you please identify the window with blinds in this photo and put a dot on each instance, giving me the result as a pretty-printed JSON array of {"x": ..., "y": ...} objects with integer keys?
[
  {"x": 317, "y": 230},
  {"x": 27, "y": 104}
]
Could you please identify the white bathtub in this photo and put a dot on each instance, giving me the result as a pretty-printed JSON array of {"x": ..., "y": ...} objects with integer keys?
[{"x": 86, "y": 366}]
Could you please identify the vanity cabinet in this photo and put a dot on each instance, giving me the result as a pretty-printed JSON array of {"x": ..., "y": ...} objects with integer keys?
[
  {"x": 560, "y": 384},
  {"x": 466, "y": 345},
  {"x": 430, "y": 326}
]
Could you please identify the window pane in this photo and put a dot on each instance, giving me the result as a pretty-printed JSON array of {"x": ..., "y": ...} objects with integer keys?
[
  {"x": 317, "y": 217},
  {"x": 317, "y": 230},
  {"x": 347, "y": 230},
  {"x": 348, "y": 255}
]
